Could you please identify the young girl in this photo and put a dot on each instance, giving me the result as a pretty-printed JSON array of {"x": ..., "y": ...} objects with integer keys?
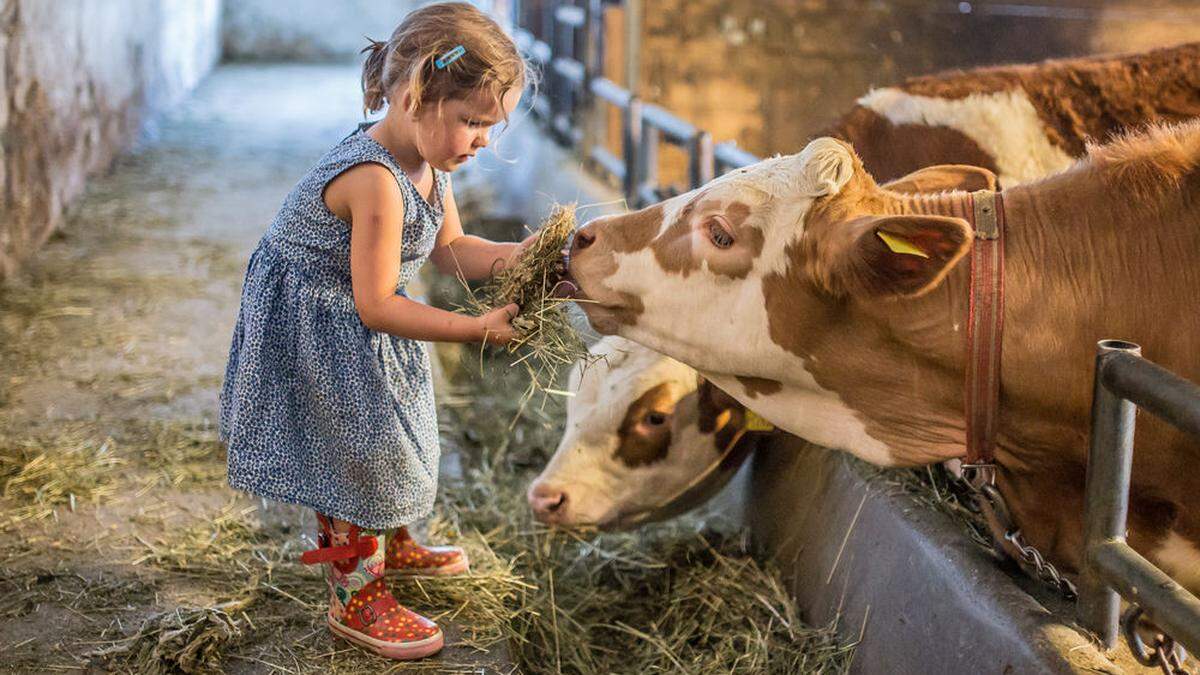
[{"x": 328, "y": 400}]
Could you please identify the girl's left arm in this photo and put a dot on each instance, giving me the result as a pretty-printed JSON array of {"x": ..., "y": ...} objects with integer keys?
[{"x": 472, "y": 257}]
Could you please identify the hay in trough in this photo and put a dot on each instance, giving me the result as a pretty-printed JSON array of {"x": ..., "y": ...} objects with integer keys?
[{"x": 544, "y": 335}]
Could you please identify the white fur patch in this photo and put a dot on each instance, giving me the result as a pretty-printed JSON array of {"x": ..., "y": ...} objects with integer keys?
[
  {"x": 816, "y": 415},
  {"x": 1180, "y": 558},
  {"x": 1005, "y": 124}
]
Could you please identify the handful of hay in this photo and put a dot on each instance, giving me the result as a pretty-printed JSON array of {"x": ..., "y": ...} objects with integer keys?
[{"x": 544, "y": 333}]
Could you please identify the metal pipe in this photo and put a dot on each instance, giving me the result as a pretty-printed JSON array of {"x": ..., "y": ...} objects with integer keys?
[
  {"x": 633, "y": 44},
  {"x": 592, "y": 116},
  {"x": 631, "y": 144},
  {"x": 1156, "y": 389},
  {"x": 647, "y": 162},
  {"x": 572, "y": 70},
  {"x": 1171, "y": 607},
  {"x": 609, "y": 162},
  {"x": 701, "y": 163},
  {"x": 571, "y": 16},
  {"x": 673, "y": 128},
  {"x": 729, "y": 156},
  {"x": 1110, "y": 461},
  {"x": 610, "y": 91}
]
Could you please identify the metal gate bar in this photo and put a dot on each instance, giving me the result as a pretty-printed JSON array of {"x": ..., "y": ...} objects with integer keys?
[
  {"x": 574, "y": 80},
  {"x": 1125, "y": 381}
]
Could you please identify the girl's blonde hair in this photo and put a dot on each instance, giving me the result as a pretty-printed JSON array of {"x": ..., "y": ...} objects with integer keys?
[{"x": 492, "y": 63}]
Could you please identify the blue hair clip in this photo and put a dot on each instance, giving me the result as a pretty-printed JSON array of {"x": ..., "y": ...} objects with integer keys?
[{"x": 450, "y": 57}]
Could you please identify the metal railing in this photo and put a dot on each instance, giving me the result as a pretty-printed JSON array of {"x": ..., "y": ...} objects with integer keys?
[
  {"x": 566, "y": 40},
  {"x": 1125, "y": 381}
]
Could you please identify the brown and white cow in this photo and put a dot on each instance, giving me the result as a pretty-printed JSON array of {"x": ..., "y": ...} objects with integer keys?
[
  {"x": 1023, "y": 122},
  {"x": 642, "y": 430},
  {"x": 641, "y": 427},
  {"x": 774, "y": 283}
]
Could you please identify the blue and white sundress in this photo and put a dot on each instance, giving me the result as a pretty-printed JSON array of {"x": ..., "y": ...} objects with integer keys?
[{"x": 316, "y": 408}]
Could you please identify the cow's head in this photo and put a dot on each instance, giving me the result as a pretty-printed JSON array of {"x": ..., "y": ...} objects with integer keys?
[
  {"x": 640, "y": 428},
  {"x": 727, "y": 276}
]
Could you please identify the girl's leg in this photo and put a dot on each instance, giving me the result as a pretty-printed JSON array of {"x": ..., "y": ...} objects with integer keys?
[
  {"x": 406, "y": 557},
  {"x": 361, "y": 608}
]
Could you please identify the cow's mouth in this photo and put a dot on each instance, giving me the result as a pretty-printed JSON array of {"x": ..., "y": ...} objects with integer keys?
[{"x": 566, "y": 286}]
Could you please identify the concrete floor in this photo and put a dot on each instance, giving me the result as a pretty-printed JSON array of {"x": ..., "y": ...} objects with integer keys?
[{"x": 123, "y": 324}]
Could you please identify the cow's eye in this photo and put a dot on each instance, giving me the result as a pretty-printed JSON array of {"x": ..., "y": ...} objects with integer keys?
[
  {"x": 718, "y": 234},
  {"x": 654, "y": 418}
]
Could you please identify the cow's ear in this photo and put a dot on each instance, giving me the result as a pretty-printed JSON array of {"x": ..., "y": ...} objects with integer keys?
[
  {"x": 944, "y": 177},
  {"x": 899, "y": 256},
  {"x": 713, "y": 403}
]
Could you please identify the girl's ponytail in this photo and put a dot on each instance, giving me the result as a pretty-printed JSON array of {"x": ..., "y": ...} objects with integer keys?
[
  {"x": 374, "y": 92},
  {"x": 490, "y": 62}
]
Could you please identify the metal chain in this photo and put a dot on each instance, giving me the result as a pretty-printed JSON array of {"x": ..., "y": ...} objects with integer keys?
[
  {"x": 1043, "y": 569},
  {"x": 1167, "y": 654},
  {"x": 980, "y": 481}
]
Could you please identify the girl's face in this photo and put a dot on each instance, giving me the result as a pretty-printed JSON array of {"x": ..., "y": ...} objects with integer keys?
[{"x": 447, "y": 140}]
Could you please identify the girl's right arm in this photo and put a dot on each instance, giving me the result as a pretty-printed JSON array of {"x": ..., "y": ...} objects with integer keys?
[{"x": 368, "y": 198}]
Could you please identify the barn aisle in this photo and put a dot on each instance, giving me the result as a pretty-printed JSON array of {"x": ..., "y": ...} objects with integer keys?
[{"x": 121, "y": 546}]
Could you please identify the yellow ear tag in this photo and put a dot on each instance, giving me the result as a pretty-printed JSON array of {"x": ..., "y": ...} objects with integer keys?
[
  {"x": 756, "y": 423},
  {"x": 899, "y": 245}
]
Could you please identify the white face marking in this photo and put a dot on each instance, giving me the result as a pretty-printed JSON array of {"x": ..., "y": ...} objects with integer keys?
[
  {"x": 600, "y": 487},
  {"x": 1180, "y": 558},
  {"x": 1005, "y": 124},
  {"x": 714, "y": 322}
]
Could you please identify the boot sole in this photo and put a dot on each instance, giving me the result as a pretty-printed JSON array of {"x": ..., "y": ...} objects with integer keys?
[{"x": 405, "y": 651}]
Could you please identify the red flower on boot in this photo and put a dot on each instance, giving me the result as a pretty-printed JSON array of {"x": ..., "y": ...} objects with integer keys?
[{"x": 406, "y": 557}]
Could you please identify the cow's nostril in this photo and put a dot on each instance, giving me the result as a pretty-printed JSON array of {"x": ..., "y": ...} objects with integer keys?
[{"x": 548, "y": 502}]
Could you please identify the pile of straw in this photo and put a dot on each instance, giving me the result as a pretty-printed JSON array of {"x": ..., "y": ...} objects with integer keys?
[
  {"x": 38, "y": 474},
  {"x": 186, "y": 639},
  {"x": 545, "y": 337}
]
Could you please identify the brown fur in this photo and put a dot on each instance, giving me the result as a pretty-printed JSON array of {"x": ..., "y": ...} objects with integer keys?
[
  {"x": 1105, "y": 250},
  {"x": 673, "y": 249},
  {"x": 712, "y": 403},
  {"x": 890, "y": 150},
  {"x": 1079, "y": 100},
  {"x": 1088, "y": 99},
  {"x": 641, "y": 443},
  {"x": 608, "y": 309},
  {"x": 760, "y": 386}
]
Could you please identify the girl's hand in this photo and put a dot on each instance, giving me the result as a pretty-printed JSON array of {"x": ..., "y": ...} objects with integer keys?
[{"x": 495, "y": 327}]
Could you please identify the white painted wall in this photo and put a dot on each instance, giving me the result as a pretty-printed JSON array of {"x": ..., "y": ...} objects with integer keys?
[{"x": 78, "y": 78}]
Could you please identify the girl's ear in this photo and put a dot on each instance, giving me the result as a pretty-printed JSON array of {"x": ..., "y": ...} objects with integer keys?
[{"x": 406, "y": 103}]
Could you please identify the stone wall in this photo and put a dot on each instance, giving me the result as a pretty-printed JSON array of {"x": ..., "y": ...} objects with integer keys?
[{"x": 78, "y": 79}]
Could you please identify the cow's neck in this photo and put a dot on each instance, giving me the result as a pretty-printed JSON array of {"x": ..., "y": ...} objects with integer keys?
[{"x": 1074, "y": 275}]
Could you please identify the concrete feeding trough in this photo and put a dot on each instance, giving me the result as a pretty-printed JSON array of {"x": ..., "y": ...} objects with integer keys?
[{"x": 901, "y": 579}]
